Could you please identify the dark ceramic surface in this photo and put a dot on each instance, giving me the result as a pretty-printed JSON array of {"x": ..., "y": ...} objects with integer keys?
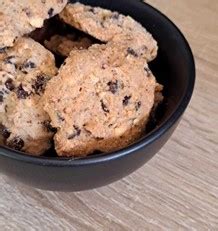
[{"x": 174, "y": 68}]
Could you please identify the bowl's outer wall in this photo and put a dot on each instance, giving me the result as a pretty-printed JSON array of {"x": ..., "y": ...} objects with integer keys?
[
  {"x": 82, "y": 177},
  {"x": 174, "y": 68}
]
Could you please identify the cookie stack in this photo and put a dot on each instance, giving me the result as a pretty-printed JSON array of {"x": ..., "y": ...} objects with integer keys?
[{"x": 101, "y": 97}]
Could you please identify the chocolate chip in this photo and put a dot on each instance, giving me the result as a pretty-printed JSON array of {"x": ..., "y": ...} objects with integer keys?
[
  {"x": 132, "y": 52},
  {"x": 138, "y": 105},
  {"x": 113, "y": 86},
  {"x": 104, "y": 66},
  {"x": 148, "y": 71},
  {"x": 2, "y": 50},
  {"x": 60, "y": 118},
  {"x": 99, "y": 138},
  {"x": 4, "y": 131},
  {"x": 102, "y": 24},
  {"x": 27, "y": 11},
  {"x": 16, "y": 143},
  {"x": 126, "y": 100},
  {"x": 92, "y": 10},
  {"x": 27, "y": 65},
  {"x": 104, "y": 107},
  {"x": 8, "y": 60},
  {"x": 9, "y": 84},
  {"x": 21, "y": 93},
  {"x": 39, "y": 84},
  {"x": 49, "y": 128},
  {"x": 77, "y": 132},
  {"x": 1, "y": 98},
  {"x": 50, "y": 12},
  {"x": 115, "y": 15}
]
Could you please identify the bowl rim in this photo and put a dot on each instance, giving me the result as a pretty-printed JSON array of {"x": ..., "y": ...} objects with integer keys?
[{"x": 145, "y": 141}]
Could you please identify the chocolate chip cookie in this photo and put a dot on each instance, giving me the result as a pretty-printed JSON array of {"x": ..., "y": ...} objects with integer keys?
[
  {"x": 25, "y": 70},
  {"x": 100, "y": 101},
  {"x": 21, "y": 17},
  {"x": 63, "y": 45},
  {"x": 106, "y": 26}
]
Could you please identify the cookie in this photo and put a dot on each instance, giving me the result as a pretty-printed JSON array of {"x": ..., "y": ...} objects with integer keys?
[
  {"x": 63, "y": 45},
  {"x": 100, "y": 100},
  {"x": 25, "y": 70},
  {"x": 106, "y": 26},
  {"x": 21, "y": 17}
]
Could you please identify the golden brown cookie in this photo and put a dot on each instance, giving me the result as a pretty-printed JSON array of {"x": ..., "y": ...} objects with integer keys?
[
  {"x": 106, "y": 26},
  {"x": 63, "y": 45},
  {"x": 25, "y": 70},
  {"x": 100, "y": 100},
  {"x": 21, "y": 17}
]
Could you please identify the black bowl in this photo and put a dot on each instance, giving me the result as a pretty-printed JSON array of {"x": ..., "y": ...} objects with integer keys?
[{"x": 174, "y": 68}]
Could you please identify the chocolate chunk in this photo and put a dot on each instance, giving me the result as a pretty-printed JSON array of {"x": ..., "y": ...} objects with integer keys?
[
  {"x": 9, "y": 84},
  {"x": 126, "y": 100},
  {"x": 50, "y": 12},
  {"x": 16, "y": 143},
  {"x": 21, "y": 93},
  {"x": 138, "y": 105},
  {"x": 148, "y": 71},
  {"x": 49, "y": 128},
  {"x": 39, "y": 84},
  {"x": 113, "y": 86},
  {"x": 132, "y": 52},
  {"x": 104, "y": 107},
  {"x": 75, "y": 133},
  {"x": 4, "y": 131}
]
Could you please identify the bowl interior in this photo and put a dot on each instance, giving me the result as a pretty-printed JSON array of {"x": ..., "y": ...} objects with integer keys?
[{"x": 174, "y": 66}]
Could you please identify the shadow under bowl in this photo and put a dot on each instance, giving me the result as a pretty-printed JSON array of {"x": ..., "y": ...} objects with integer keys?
[{"x": 174, "y": 68}]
